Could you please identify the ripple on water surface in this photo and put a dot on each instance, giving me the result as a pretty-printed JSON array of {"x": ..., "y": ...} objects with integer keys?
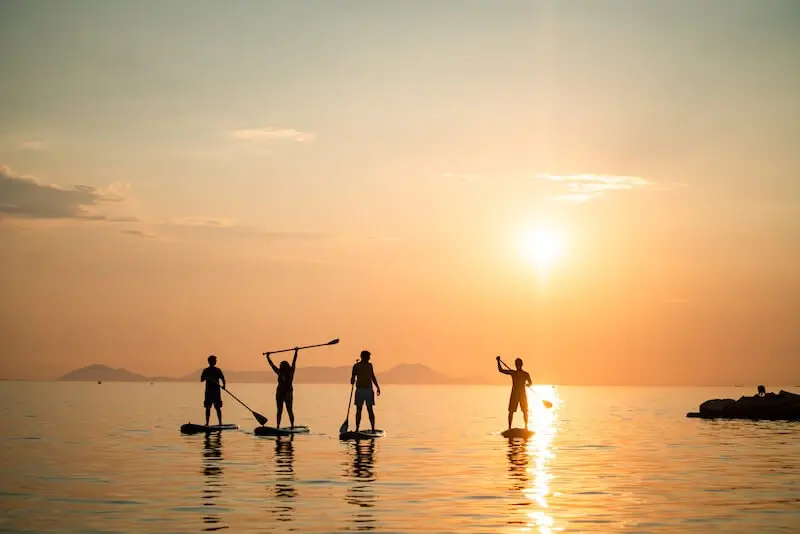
[{"x": 601, "y": 460}]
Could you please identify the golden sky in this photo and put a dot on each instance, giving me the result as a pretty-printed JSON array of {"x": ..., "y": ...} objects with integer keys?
[{"x": 610, "y": 189}]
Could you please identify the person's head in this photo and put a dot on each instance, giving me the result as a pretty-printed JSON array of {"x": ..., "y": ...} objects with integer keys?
[
  {"x": 284, "y": 367},
  {"x": 365, "y": 355},
  {"x": 762, "y": 390},
  {"x": 518, "y": 363},
  {"x": 212, "y": 360}
]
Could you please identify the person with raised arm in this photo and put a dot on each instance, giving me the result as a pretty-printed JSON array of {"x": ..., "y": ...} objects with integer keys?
[
  {"x": 519, "y": 397},
  {"x": 284, "y": 391}
]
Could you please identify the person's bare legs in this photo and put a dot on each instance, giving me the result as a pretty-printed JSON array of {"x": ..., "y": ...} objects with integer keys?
[
  {"x": 371, "y": 416},
  {"x": 358, "y": 416},
  {"x": 208, "y": 414},
  {"x": 280, "y": 413},
  {"x": 219, "y": 415},
  {"x": 510, "y": 418},
  {"x": 290, "y": 411}
]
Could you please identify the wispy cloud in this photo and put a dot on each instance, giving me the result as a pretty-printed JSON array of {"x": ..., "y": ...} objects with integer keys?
[
  {"x": 460, "y": 176},
  {"x": 272, "y": 134},
  {"x": 32, "y": 145},
  {"x": 585, "y": 187},
  {"x": 203, "y": 221},
  {"x": 139, "y": 233},
  {"x": 22, "y": 196}
]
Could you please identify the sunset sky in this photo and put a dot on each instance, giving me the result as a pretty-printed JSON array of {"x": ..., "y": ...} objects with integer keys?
[{"x": 608, "y": 189}]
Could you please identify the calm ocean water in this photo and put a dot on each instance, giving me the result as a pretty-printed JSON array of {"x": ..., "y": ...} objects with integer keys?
[{"x": 84, "y": 457}]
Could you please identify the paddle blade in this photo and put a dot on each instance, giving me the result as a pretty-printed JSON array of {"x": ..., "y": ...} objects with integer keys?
[
  {"x": 343, "y": 428},
  {"x": 333, "y": 341},
  {"x": 260, "y": 418}
]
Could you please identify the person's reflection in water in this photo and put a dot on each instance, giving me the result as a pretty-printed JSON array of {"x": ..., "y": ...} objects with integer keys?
[
  {"x": 212, "y": 473},
  {"x": 284, "y": 479},
  {"x": 518, "y": 459},
  {"x": 362, "y": 493}
]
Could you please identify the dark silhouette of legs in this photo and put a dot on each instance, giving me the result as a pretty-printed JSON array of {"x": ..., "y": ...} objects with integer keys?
[
  {"x": 358, "y": 416},
  {"x": 371, "y": 416},
  {"x": 219, "y": 415},
  {"x": 208, "y": 414},
  {"x": 510, "y": 418},
  {"x": 280, "y": 413},
  {"x": 289, "y": 410}
]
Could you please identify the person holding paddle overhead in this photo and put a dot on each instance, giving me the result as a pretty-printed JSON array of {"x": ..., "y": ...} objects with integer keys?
[
  {"x": 363, "y": 377},
  {"x": 283, "y": 393},
  {"x": 519, "y": 397},
  {"x": 212, "y": 376}
]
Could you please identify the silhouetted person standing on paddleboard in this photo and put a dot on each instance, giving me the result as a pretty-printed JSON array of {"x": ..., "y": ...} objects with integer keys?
[
  {"x": 363, "y": 377},
  {"x": 283, "y": 393},
  {"x": 519, "y": 396},
  {"x": 212, "y": 376}
]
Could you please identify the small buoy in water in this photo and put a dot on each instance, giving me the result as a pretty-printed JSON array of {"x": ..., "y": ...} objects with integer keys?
[{"x": 99, "y": 382}]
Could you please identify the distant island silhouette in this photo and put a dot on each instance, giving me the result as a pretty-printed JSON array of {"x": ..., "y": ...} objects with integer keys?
[{"x": 400, "y": 374}]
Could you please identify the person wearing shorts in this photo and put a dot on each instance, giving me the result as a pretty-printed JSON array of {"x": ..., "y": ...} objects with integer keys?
[
  {"x": 363, "y": 377},
  {"x": 213, "y": 376},
  {"x": 519, "y": 397}
]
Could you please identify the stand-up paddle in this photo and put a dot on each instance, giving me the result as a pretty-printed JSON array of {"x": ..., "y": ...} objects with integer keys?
[
  {"x": 344, "y": 427},
  {"x": 331, "y": 342},
  {"x": 260, "y": 418},
  {"x": 547, "y": 403}
]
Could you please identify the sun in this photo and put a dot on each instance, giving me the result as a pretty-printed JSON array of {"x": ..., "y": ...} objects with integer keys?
[{"x": 542, "y": 247}]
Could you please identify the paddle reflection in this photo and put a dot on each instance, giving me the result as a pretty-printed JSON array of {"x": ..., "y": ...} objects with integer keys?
[
  {"x": 531, "y": 484},
  {"x": 285, "y": 491},
  {"x": 361, "y": 468},
  {"x": 212, "y": 476}
]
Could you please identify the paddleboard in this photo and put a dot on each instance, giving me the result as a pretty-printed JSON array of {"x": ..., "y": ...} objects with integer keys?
[
  {"x": 517, "y": 433},
  {"x": 361, "y": 434},
  {"x": 285, "y": 431},
  {"x": 191, "y": 428}
]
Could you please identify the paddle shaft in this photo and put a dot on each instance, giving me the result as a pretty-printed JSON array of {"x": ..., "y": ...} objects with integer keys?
[
  {"x": 258, "y": 416},
  {"x": 346, "y": 423},
  {"x": 545, "y": 402},
  {"x": 332, "y": 342}
]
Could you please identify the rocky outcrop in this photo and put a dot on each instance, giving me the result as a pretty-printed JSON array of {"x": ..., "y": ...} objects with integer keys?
[{"x": 784, "y": 406}]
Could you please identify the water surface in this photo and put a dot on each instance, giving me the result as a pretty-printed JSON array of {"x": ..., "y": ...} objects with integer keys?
[{"x": 88, "y": 457}]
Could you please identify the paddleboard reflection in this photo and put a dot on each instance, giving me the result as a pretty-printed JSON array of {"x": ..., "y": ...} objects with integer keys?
[
  {"x": 285, "y": 491},
  {"x": 212, "y": 476},
  {"x": 361, "y": 494}
]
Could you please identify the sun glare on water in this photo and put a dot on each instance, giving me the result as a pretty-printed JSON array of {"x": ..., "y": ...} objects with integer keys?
[{"x": 542, "y": 247}]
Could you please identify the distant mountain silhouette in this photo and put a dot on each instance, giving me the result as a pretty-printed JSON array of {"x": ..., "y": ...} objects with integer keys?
[
  {"x": 103, "y": 372},
  {"x": 400, "y": 374}
]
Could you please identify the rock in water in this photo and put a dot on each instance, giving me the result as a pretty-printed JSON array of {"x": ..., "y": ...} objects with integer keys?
[{"x": 784, "y": 406}]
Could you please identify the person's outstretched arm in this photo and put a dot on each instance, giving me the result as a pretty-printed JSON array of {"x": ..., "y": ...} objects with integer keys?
[
  {"x": 272, "y": 364},
  {"x": 294, "y": 360},
  {"x": 500, "y": 368}
]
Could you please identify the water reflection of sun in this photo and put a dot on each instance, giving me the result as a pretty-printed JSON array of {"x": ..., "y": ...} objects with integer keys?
[{"x": 543, "y": 422}]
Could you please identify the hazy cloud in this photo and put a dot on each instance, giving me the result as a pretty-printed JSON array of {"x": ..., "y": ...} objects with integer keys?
[
  {"x": 460, "y": 176},
  {"x": 21, "y": 196},
  {"x": 139, "y": 233},
  {"x": 585, "y": 187},
  {"x": 272, "y": 134},
  {"x": 31, "y": 145}
]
